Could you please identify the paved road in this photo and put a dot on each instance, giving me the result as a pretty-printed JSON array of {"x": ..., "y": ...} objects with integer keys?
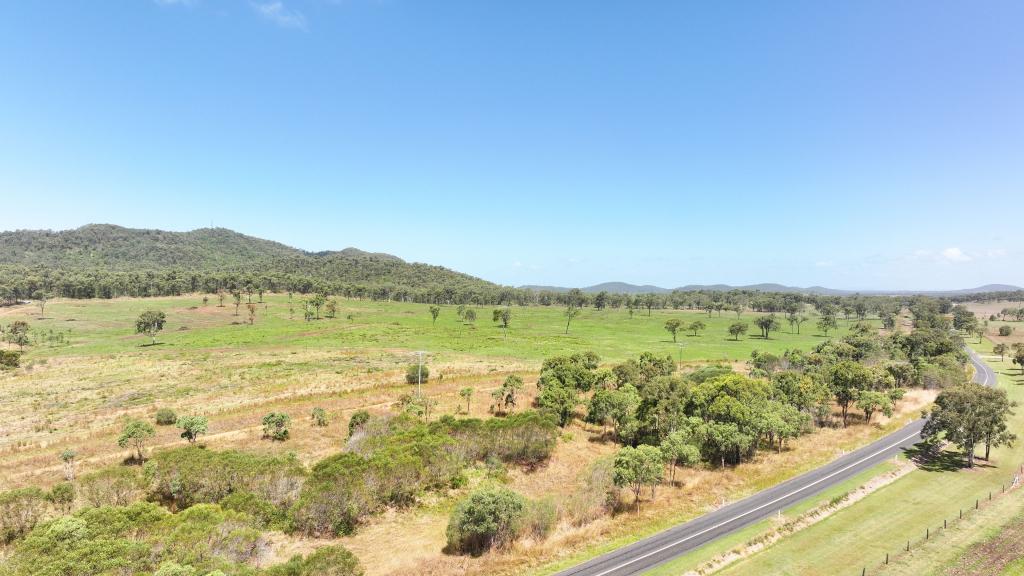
[{"x": 640, "y": 556}]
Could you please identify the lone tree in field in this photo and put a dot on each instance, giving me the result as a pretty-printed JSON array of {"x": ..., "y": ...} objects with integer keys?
[
  {"x": 505, "y": 397},
  {"x": 767, "y": 324},
  {"x": 696, "y": 326},
  {"x": 68, "y": 458},
  {"x": 469, "y": 316},
  {"x": 192, "y": 427},
  {"x": 135, "y": 435},
  {"x": 252, "y": 313},
  {"x": 17, "y": 333},
  {"x": 967, "y": 415},
  {"x": 467, "y": 395},
  {"x": 638, "y": 467},
  {"x": 1001, "y": 350},
  {"x": 827, "y": 322},
  {"x": 673, "y": 325},
  {"x": 41, "y": 297},
  {"x": 737, "y": 329},
  {"x": 149, "y": 323},
  {"x": 435, "y": 311},
  {"x": 317, "y": 302},
  {"x": 573, "y": 304},
  {"x": 238, "y": 300},
  {"x": 331, "y": 308},
  {"x": 503, "y": 316},
  {"x": 1018, "y": 358}
]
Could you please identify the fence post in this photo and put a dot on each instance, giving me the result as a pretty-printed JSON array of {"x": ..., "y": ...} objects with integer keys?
[
  {"x": 943, "y": 523},
  {"x": 886, "y": 558},
  {"x": 976, "y": 503},
  {"x": 961, "y": 513},
  {"x": 908, "y": 545},
  {"x": 863, "y": 571},
  {"x": 927, "y": 533}
]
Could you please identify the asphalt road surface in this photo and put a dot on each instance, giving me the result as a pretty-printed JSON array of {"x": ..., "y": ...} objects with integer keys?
[{"x": 647, "y": 553}]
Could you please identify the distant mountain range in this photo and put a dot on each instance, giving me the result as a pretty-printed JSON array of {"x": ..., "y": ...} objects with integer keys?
[
  {"x": 626, "y": 288},
  {"x": 105, "y": 249}
]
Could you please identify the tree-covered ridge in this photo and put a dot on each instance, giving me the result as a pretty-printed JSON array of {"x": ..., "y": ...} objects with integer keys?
[{"x": 105, "y": 261}]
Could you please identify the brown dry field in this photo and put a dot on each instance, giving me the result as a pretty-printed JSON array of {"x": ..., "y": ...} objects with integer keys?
[{"x": 985, "y": 309}]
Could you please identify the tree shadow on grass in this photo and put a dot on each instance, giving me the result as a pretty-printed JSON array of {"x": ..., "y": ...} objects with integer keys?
[
  {"x": 151, "y": 344},
  {"x": 929, "y": 459}
]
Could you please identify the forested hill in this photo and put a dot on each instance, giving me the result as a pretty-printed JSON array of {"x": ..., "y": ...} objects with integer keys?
[{"x": 102, "y": 260}]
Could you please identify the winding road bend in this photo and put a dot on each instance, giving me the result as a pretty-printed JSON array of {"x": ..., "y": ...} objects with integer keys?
[{"x": 647, "y": 553}]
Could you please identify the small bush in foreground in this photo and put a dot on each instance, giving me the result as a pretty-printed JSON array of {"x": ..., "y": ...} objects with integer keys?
[{"x": 488, "y": 518}]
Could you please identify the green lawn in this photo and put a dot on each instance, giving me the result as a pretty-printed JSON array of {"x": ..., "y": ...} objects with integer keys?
[
  {"x": 107, "y": 326},
  {"x": 861, "y": 535}
]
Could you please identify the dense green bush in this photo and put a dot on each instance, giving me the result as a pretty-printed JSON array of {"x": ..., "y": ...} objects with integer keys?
[
  {"x": 357, "y": 420},
  {"x": 138, "y": 539},
  {"x": 488, "y": 518},
  {"x": 166, "y": 417},
  {"x": 9, "y": 359},
  {"x": 413, "y": 375},
  {"x": 326, "y": 561},
  {"x": 275, "y": 426},
  {"x": 115, "y": 486},
  {"x": 193, "y": 475},
  {"x": 20, "y": 510},
  {"x": 391, "y": 469},
  {"x": 1005, "y": 330}
]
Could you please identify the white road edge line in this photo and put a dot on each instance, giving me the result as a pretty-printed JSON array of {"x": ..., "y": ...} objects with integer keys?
[{"x": 749, "y": 512}]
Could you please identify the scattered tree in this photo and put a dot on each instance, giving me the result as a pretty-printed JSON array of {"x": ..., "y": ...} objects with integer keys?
[
  {"x": 1001, "y": 350},
  {"x": 737, "y": 329},
  {"x": 964, "y": 415},
  {"x": 673, "y": 325},
  {"x": 638, "y": 467},
  {"x": 434, "y": 312},
  {"x": 767, "y": 324},
  {"x": 192, "y": 427},
  {"x": 505, "y": 397},
  {"x": 678, "y": 451},
  {"x": 135, "y": 434},
  {"x": 467, "y": 395},
  {"x": 150, "y": 323},
  {"x": 67, "y": 456},
  {"x": 827, "y": 322},
  {"x": 696, "y": 326}
]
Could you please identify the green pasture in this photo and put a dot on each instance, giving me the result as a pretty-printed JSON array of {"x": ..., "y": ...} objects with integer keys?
[{"x": 536, "y": 332}]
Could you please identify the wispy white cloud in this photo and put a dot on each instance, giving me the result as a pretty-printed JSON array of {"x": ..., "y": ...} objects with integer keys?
[
  {"x": 955, "y": 255},
  {"x": 280, "y": 14}
]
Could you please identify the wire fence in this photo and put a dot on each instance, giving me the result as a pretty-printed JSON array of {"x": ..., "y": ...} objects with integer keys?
[{"x": 928, "y": 533}]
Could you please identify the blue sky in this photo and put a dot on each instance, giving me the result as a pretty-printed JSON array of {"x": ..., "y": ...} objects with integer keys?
[{"x": 852, "y": 145}]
